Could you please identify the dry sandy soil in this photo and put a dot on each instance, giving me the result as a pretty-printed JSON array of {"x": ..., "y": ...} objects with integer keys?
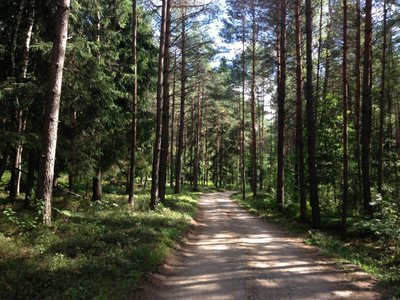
[{"x": 231, "y": 254}]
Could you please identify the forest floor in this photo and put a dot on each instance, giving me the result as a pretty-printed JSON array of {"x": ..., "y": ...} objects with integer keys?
[{"x": 232, "y": 254}]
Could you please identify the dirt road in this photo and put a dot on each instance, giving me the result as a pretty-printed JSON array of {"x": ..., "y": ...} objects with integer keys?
[{"x": 231, "y": 254}]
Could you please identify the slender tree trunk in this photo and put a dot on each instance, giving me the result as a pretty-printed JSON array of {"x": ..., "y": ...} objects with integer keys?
[
  {"x": 179, "y": 150},
  {"x": 252, "y": 107},
  {"x": 321, "y": 7},
  {"x": 262, "y": 143},
  {"x": 299, "y": 116},
  {"x": 49, "y": 136},
  {"x": 280, "y": 188},
  {"x": 171, "y": 157},
  {"x": 30, "y": 178},
  {"x": 15, "y": 35},
  {"x": 242, "y": 125},
  {"x": 357, "y": 104},
  {"x": 132, "y": 166},
  {"x": 163, "y": 165},
  {"x": 3, "y": 162},
  {"x": 71, "y": 181},
  {"x": 382, "y": 101},
  {"x": 27, "y": 39},
  {"x": 196, "y": 165},
  {"x": 366, "y": 126},
  {"x": 327, "y": 58},
  {"x": 345, "y": 86},
  {"x": 192, "y": 141},
  {"x": 15, "y": 179},
  {"x": 97, "y": 191},
  {"x": 206, "y": 143},
  {"x": 20, "y": 113},
  {"x": 312, "y": 167},
  {"x": 157, "y": 141}
]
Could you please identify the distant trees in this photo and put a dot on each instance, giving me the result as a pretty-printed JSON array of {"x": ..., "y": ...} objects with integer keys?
[{"x": 254, "y": 120}]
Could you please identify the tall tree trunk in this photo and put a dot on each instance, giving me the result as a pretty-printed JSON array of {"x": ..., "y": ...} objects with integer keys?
[
  {"x": 299, "y": 116},
  {"x": 165, "y": 112},
  {"x": 132, "y": 166},
  {"x": 280, "y": 188},
  {"x": 262, "y": 141},
  {"x": 252, "y": 106},
  {"x": 49, "y": 136},
  {"x": 357, "y": 104},
  {"x": 366, "y": 126},
  {"x": 157, "y": 141},
  {"x": 171, "y": 157},
  {"x": 328, "y": 47},
  {"x": 321, "y": 7},
  {"x": 179, "y": 150},
  {"x": 242, "y": 125},
  {"x": 192, "y": 141},
  {"x": 382, "y": 101},
  {"x": 345, "y": 86},
  {"x": 196, "y": 165},
  {"x": 206, "y": 143},
  {"x": 312, "y": 167}
]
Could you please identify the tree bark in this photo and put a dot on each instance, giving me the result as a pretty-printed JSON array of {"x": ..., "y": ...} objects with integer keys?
[
  {"x": 171, "y": 158},
  {"x": 299, "y": 117},
  {"x": 280, "y": 188},
  {"x": 157, "y": 141},
  {"x": 132, "y": 166},
  {"x": 196, "y": 166},
  {"x": 252, "y": 107},
  {"x": 97, "y": 191},
  {"x": 345, "y": 125},
  {"x": 242, "y": 125},
  {"x": 321, "y": 6},
  {"x": 382, "y": 101},
  {"x": 357, "y": 104},
  {"x": 30, "y": 178},
  {"x": 165, "y": 112},
  {"x": 179, "y": 150},
  {"x": 312, "y": 167},
  {"x": 366, "y": 126},
  {"x": 49, "y": 136}
]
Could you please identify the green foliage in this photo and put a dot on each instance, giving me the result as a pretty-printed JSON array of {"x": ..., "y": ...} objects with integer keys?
[
  {"x": 95, "y": 252},
  {"x": 25, "y": 223}
]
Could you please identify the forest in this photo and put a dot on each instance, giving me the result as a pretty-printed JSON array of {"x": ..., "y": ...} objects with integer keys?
[{"x": 117, "y": 116}]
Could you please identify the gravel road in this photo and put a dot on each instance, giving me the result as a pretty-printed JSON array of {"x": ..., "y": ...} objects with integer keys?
[{"x": 232, "y": 254}]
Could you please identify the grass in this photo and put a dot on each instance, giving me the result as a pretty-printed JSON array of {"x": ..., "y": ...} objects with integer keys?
[
  {"x": 92, "y": 251},
  {"x": 364, "y": 249}
]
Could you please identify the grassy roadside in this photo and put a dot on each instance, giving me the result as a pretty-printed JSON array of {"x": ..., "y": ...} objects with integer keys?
[
  {"x": 362, "y": 249},
  {"x": 92, "y": 251}
]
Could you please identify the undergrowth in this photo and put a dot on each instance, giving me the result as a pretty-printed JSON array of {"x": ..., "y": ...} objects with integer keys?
[{"x": 95, "y": 250}]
